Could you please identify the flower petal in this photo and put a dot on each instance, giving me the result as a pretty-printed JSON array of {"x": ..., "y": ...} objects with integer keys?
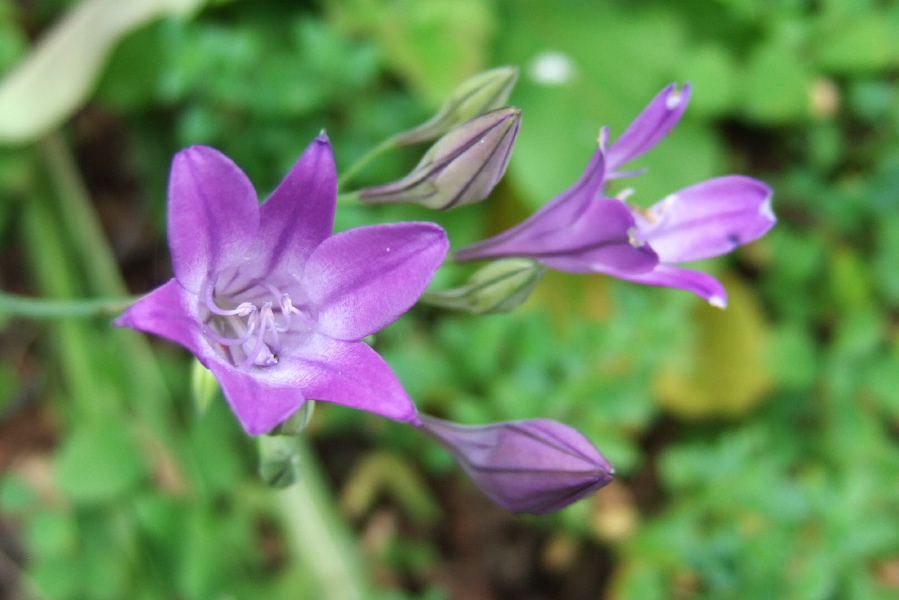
[
  {"x": 260, "y": 397},
  {"x": 213, "y": 215},
  {"x": 535, "y": 466},
  {"x": 300, "y": 212},
  {"x": 708, "y": 219},
  {"x": 167, "y": 312},
  {"x": 552, "y": 219},
  {"x": 351, "y": 374},
  {"x": 650, "y": 126},
  {"x": 579, "y": 237},
  {"x": 362, "y": 279},
  {"x": 701, "y": 284}
]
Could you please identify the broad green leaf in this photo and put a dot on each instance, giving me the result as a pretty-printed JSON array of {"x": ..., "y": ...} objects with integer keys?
[
  {"x": 68, "y": 61},
  {"x": 777, "y": 84},
  {"x": 433, "y": 44},
  {"x": 857, "y": 44},
  {"x": 98, "y": 463},
  {"x": 726, "y": 374}
]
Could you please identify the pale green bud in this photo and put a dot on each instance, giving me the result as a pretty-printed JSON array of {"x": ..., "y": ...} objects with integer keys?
[
  {"x": 203, "y": 386},
  {"x": 277, "y": 460},
  {"x": 479, "y": 94},
  {"x": 461, "y": 168},
  {"x": 500, "y": 286}
]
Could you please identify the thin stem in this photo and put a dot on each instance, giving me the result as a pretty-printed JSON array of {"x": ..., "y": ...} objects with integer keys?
[
  {"x": 41, "y": 308},
  {"x": 317, "y": 533},
  {"x": 348, "y": 198},
  {"x": 381, "y": 148}
]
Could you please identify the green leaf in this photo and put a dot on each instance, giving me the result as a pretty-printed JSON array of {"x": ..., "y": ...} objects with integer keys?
[
  {"x": 99, "y": 463},
  {"x": 433, "y": 44},
  {"x": 726, "y": 373},
  {"x": 68, "y": 60},
  {"x": 777, "y": 84}
]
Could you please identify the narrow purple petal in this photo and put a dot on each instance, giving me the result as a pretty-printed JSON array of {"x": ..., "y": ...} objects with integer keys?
[
  {"x": 351, "y": 374},
  {"x": 262, "y": 398},
  {"x": 708, "y": 219},
  {"x": 650, "y": 126},
  {"x": 167, "y": 312},
  {"x": 365, "y": 278},
  {"x": 553, "y": 218},
  {"x": 299, "y": 214},
  {"x": 701, "y": 284},
  {"x": 535, "y": 466},
  {"x": 213, "y": 215},
  {"x": 579, "y": 237}
]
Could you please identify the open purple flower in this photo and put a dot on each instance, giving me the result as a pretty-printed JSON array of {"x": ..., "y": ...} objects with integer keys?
[
  {"x": 272, "y": 303},
  {"x": 535, "y": 466},
  {"x": 583, "y": 231}
]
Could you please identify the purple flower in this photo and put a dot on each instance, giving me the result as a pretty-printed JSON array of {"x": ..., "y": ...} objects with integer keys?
[
  {"x": 272, "y": 303},
  {"x": 583, "y": 231},
  {"x": 535, "y": 466}
]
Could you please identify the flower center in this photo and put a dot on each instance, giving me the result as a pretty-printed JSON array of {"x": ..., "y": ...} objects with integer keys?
[{"x": 252, "y": 333}]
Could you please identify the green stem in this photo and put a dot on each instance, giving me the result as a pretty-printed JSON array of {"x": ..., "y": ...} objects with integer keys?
[
  {"x": 378, "y": 150},
  {"x": 41, "y": 308},
  {"x": 318, "y": 535}
]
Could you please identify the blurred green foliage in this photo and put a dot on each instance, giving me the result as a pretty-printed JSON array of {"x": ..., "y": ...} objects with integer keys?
[{"x": 757, "y": 448}]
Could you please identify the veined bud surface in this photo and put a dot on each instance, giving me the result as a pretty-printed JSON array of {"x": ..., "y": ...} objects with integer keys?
[
  {"x": 501, "y": 286},
  {"x": 461, "y": 168},
  {"x": 535, "y": 466},
  {"x": 479, "y": 94}
]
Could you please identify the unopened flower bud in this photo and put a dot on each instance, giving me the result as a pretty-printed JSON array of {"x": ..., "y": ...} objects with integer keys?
[
  {"x": 501, "y": 286},
  {"x": 535, "y": 466},
  {"x": 203, "y": 386},
  {"x": 277, "y": 460},
  {"x": 475, "y": 96},
  {"x": 461, "y": 168}
]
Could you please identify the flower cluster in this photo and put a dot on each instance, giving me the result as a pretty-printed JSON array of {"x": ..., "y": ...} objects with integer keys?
[
  {"x": 276, "y": 305},
  {"x": 583, "y": 230}
]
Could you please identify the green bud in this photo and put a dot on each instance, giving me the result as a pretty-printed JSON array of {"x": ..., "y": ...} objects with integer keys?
[
  {"x": 461, "y": 168},
  {"x": 296, "y": 423},
  {"x": 277, "y": 460},
  {"x": 479, "y": 94},
  {"x": 203, "y": 386},
  {"x": 500, "y": 286}
]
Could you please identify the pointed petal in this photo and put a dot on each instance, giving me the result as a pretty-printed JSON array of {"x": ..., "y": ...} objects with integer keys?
[
  {"x": 650, "y": 126},
  {"x": 167, "y": 312},
  {"x": 552, "y": 219},
  {"x": 701, "y": 284},
  {"x": 596, "y": 238},
  {"x": 362, "y": 279},
  {"x": 299, "y": 214},
  {"x": 708, "y": 219},
  {"x": 351, "y": 374},
  {"x": 213, "y": 215},
  {"x": 261, "y": 397},
  {"x": 535, "y": 466}
]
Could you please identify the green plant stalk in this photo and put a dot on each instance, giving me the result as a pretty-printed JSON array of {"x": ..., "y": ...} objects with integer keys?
[
  {"x": 360, "y": 164},
  {"x": 53, "y": 273},
  {"x": 148, "y": 394},
  {"x": 41, "y": 308},
  {"x": 317, "y": 534}
]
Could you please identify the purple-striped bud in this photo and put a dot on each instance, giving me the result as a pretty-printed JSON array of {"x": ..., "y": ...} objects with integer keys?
[
  {"x": 535, "y": 466},
  {"x": 475, "y": 96},
  {"x": 461, "y": 168},
  {"x": 501, "y": 286}
]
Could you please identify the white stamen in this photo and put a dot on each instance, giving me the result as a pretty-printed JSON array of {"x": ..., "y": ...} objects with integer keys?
[
  {"x": 632, "y": 238},
  {"x": 625, "y": 194}
]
